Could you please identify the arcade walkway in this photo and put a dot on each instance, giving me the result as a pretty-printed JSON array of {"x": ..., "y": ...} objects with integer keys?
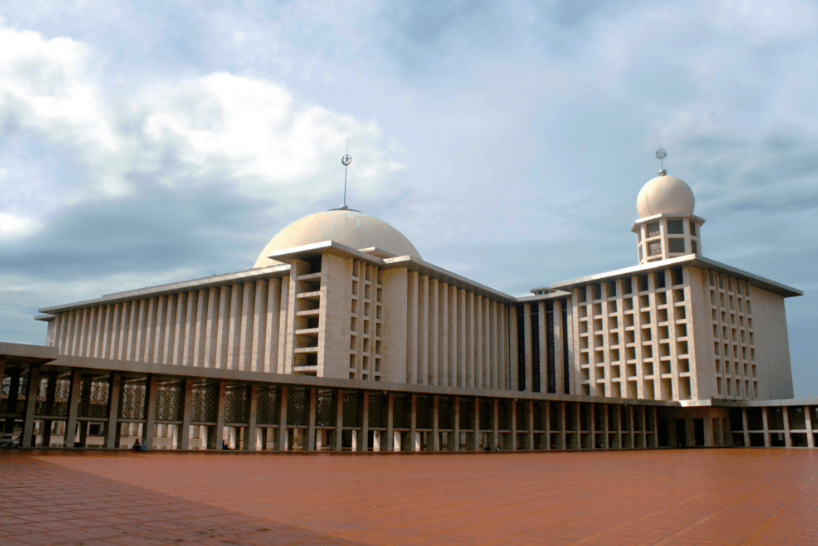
[{"x": 689, "y": 496}]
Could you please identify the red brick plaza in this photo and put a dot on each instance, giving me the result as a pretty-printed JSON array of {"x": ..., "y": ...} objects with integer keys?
[{"x": 731, "y": 496}]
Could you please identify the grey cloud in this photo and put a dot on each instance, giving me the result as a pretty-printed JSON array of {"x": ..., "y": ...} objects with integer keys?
[{"x": 155, "y": 229}]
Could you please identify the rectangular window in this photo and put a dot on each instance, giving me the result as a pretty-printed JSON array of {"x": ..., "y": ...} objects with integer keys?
[
  {"x": 678, "y": 276},
  {"x": 655, "y": 248},
  {"x": 626, "y": 286},
  {"x": 692, "y": 228},
  {"x": 675, "y": 227},
  {"x": 659, "y": 279},
  {"x": 676, "y": 244},
  {"x": 653, "y": 229}
]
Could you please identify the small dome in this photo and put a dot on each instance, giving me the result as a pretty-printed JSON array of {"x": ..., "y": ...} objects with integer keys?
[
  {"x": 347, "y": 227},
  {"x": 665, "y": 195}
]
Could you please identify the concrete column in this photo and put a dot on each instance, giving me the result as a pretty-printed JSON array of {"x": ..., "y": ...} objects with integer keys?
[
  {"x": 250, "y": 437},
  {"x": 187, "y": 401},
  {"x": 31, "y": 405},
  {"x": 281, "y": 432},
  {"x": 592, "y": 424},
  {"x": 745, "y": 427},
  {"x": 168, "y": 351},
  {"x": 338, "y": 440},
  {"x": 112, "y": 426},
  {"x": 412, "y": 341},
  {"x": 632, "y": 431},
  {"x": 150, "y": 421},
  {"x": 606, "y": 441},
  {"x": 786, "y": 416},
  {"x": 513, "y": 425},
  {"x": 690, "y": 432},
  {"x": 390, "y": 421},
  {"x": 156, "y": 354},
  {"x": 413, "y": 422},
  {"x": 435, "y": 423},
  {"x": 807, "y": 417},
  {"x": 709, "y": 432},
  {"x": 767, "y": 442},
  {"x": 619, "y": 427},
  {"x": 73, "y": 408},
  {"x": 363, "y": 418}
]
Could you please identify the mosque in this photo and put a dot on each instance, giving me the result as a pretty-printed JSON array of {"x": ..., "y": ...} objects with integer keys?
[{"x": 341, "y": 337}]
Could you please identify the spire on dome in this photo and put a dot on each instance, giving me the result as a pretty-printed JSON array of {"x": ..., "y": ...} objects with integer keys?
[{"x": 661, "y": 154}]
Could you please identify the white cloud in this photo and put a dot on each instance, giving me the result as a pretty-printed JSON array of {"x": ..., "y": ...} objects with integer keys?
[
  {"x": 245, "y": 132},
  {"x": 14, "y": 227}
]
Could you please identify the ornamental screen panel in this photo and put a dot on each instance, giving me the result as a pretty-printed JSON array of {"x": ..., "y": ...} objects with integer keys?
[
  {"x": 42, "y": 395},
  {"x": 236, "y": 404},
  {"x": 676, "y": 244},
  {"x": 133, "y": 403},
  {"x": 466, "y": 411},
  {"x": 377, "y": 411},
  {"x": 402, "y": 411},
  {"x": 445, "y": 406},
  {"x": 350, "y": 418},
  {"x": 675, "y": 227},
  {"x": 325, "y": 412},
  {"x": 266, "y": 409},
  {"x": 94, "y": 399},
  {"x": 424, "y": 412},
  {"x": 297, "y": 407},
  {"x": 169, "y": 401},
  {"x": 204, "y": 403}
]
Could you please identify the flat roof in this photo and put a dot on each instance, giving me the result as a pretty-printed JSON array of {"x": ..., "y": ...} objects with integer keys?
[
  {"x": 163, "y": 289},
  {"x": 692, "y": 260}
]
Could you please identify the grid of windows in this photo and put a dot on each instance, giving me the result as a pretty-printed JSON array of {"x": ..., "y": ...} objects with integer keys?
[
  {"x": 366, "y": 322},
  {"x": 635, "y": 338},
  {"x": 666, "y": 238},
  {"x": 733, "y": 340}
]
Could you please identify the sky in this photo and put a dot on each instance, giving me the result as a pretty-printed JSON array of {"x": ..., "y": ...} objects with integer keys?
[{"x": 151, "y": 142}]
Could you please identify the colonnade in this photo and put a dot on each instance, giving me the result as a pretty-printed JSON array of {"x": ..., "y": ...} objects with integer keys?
[
  {"x": 287, "y": 417},
  {"x": 775, "y": 426}
]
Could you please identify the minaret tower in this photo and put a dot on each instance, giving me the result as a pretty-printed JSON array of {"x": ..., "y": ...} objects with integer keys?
[{"x": 666, "y": 227}]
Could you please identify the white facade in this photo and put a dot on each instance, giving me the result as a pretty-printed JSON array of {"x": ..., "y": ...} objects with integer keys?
[{"x": 353, "y": 299}]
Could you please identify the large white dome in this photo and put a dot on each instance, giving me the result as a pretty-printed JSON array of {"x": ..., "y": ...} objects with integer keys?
[
  {"x": 348, "y": 227},
  {"x": 665, "y": 195}
]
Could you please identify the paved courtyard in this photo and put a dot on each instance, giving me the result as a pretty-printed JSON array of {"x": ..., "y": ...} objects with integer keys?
[{"x": 638, "y": 497}]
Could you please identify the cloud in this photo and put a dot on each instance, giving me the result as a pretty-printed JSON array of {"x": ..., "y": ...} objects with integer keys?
[
  {"x": 13, "y": 226},
  {"x": 246, "y": 133}
]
